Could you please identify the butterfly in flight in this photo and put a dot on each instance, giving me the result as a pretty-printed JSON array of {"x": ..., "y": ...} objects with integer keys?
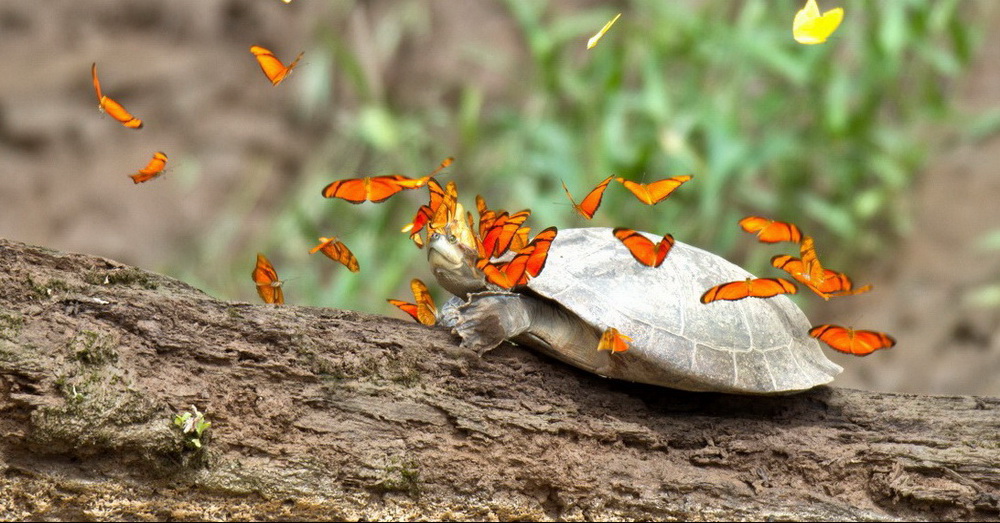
[
  {"x": 268, "y": 284},
  {"x": 153, "y": 169},
  {"x": 274, "y": 70},
  {"x": 377, "y": 189},
  {"x": 810, "y": 27},
  {"x": 600, "y": 34},
  {"x": 850, "y": 341},
  {"x": 770, "y": 231},
  {"x": 588, "y": 206},
  {"x": 337, "y": 251},
  {"x": 111, "y": 107},
  {"x": 655, "y": 192}
]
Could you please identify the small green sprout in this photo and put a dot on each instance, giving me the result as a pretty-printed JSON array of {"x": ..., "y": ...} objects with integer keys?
[{"x": 193, "y": 424}]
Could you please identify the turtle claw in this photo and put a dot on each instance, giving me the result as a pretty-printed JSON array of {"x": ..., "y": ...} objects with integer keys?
[{"x": 488, "y": 319}]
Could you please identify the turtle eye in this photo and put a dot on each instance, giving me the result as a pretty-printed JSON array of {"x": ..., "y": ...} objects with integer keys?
[{"x": 452, "y": 238}]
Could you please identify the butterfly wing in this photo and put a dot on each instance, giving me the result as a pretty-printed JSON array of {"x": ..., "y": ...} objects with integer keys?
[
  {"x": 266, "y": 279},
  {"x": 756, "y": 288},
  {"x": 111, "y": 107},
  {"x": 499, "y": 237},
  {"x": 407, "y": 307},
  {"x": 426, "y": 311},
  {"x": 273, "y": 69},
  {"x": 850, "y": 341},
  {"x": 642, "y": 248},
  {"x": 613, "y": 341},
  {"x": 809, "y": 27},
  {"x": 337, "y": 251},
  {"x": 588, "y": 206},
  {"x": 153, "y": 169},
  {"x": 655, "y": 192},
  {"x": 770, "y": 231}
]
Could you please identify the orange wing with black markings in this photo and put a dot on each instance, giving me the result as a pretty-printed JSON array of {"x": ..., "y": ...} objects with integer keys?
[
  {"x": 268, "y": 284},
  {"x": 643, "y": 249},
  {"x": 111, "y": 107},
  {"x": 811, "y": 273},
  {"x": 503, "y": 231},
  {"x": 337, "y": 251},
  {"x": 374, "y": 189},
  {"x": 444, "y": 210},
  {"x": 423, "y": 310},
  {"x": 613, "y": 341},
  {"x": 274, "y": 70},
  {"x": 588, "y": 206},
  {"x": 528, "y": 263},
  {"x": 655, "y": 192},
  {"x": 833, "y": 283},
  {"x": 753, "y": 288},
  {"x": 850, "y": 341},
  {"x": 771, "y": 231},
  {"x": 153, "y": 169}
]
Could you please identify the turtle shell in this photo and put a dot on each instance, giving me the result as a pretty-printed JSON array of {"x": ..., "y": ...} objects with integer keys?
[{"x": 751, "y": 345}]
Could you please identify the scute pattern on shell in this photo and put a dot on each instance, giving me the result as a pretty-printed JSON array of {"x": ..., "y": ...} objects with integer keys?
[{"x": 746, "y": 346}]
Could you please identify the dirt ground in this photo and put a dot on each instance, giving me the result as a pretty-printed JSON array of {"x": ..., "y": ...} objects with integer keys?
[{"x": 64, "y": 168}]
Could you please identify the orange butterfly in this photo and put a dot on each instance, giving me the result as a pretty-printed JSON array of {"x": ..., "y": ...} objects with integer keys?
[
  {"x": 337, "y": 251},
  {"x": 808, "y": 271},
  {"x": 423, "y": 310},
  {"x": 856, "y": 342},
  {"x": 832, "y": 283},
  {"x": 274, "y": 70},
  {"x": 528, "y": 263},
  {"x": 153, "y": 169},
  {"x": 642, "y": 248},
  {"x": 446, "y": 209},
  {"x": 653, "y": 193},
  {"x": 770, "y": 231},
  {"x": 588, "y": 206},
  {"x": 111, "y": 107},
  {"x": 757, "y": 288},
  {"x": 268, "y": 284},
  {"x": 502, "y": 233},
  {"x": 613, "y": 341},
  {"x": 377, "y": 189},
  {"x": 486, "y": 216},
  {"x": 426, "y": 213},
  {"x": 374, "y": 189}
]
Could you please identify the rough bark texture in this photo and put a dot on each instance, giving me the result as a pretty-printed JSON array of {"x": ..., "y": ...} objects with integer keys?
[{"x": 330, "y": 414}]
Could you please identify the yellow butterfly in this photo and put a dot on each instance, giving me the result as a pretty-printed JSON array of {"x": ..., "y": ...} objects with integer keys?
[
  {"x": 597, "y": 37},
  {"x": 809, "y": 27}
]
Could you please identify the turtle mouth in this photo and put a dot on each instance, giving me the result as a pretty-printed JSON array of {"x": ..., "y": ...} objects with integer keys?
[{"x": 443, "y": 256}]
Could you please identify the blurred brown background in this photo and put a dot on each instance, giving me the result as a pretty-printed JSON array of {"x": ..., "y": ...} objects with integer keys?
[{"x": 237, "y": 147}]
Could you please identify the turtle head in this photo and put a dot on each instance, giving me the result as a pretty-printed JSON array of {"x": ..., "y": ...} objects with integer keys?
[{"x": 451, "y": 253}]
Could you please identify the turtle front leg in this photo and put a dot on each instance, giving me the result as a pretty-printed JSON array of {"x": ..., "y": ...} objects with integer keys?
[{"x": 489, "y": 318}]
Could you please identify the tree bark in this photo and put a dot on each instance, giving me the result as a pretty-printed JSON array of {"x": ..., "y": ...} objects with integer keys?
[{"x": 328, "y": 414}]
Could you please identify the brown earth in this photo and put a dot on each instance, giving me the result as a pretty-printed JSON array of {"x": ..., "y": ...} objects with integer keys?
[{"x": 64, "y": 169}]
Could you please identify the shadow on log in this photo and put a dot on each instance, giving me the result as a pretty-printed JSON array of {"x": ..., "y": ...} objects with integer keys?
[{"x": 327, "y": 414}]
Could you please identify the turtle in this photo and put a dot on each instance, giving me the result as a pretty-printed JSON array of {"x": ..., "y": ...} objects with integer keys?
[{"x": 591, "y": 282}]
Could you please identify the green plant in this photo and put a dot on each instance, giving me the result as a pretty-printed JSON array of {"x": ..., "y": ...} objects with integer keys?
[{"x": 193, "y": 425}]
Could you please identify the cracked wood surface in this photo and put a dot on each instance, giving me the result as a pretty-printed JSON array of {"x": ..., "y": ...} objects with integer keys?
[{"x": 329, "y": 414}]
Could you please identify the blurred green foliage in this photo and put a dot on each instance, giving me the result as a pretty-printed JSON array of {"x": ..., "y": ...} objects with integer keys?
[{"x": 829, "y": 136}]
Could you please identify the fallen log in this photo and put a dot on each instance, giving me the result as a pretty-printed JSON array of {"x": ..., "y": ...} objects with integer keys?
[{"x": 329, "y": 414}]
